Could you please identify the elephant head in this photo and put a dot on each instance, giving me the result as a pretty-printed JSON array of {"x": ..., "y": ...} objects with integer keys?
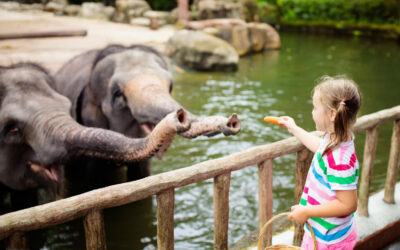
[
  {"x": 37, "y": 132},
  {"x": 128, "y": 90}
]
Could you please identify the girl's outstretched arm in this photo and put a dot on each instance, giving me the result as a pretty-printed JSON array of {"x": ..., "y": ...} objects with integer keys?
[
  {"x": 309, "y": 140},
  {"x": 345, "y": 204}
]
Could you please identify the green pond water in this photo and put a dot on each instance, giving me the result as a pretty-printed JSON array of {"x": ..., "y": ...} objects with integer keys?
[{"x": 269, "y": 83}]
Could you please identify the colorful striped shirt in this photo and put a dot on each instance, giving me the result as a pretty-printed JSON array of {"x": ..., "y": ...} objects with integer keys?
[{"x": 336, "y": 170}]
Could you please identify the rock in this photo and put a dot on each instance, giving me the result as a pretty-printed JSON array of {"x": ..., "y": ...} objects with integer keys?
[
  {"x": 143, "y": 21},
  {"x": 173, "y": 16},
  {"x": 32, "y": 7},
  {"x": 56, "y": 6},
  {"x": 244, "y": 37},
  {"x": 211, "y": 30},
  {"x": 199, "y": 25},
  {"x": 209, "y": 9},
  {"x": 128, "y": 9},
  {"x": 140, "y": 21},
  {"x": 156, "y": 14},
  {"x": 10, "y": 5},
  {"x": 109, "y": 11},
  {"x": 257, "y": 36},
  {"x": 72, "y": 10},
  {"x": 273, "y": 40},
  {"x": 158, "y": 17},
  {"x": 201, "y": 51},
  {"x": 96, "y": 10},
  {"x": 240, "y": 39}
]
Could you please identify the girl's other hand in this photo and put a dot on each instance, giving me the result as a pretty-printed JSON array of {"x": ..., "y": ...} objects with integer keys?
[
  {"x": 298, "y": 214},
  {"x": 288, "y": 122}
]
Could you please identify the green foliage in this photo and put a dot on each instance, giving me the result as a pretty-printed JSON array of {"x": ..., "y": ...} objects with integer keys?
[
  {"x": 268, "y": 13},
  {"x": 353, "y": 11},
  {"x": 162, "y": 4},
  {"x": 165, "y": 5},
  {"x": 250, "y": 9}
]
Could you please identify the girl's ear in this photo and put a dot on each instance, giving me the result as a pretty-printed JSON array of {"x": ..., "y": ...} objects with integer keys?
[{"x": 332, "y": 115}]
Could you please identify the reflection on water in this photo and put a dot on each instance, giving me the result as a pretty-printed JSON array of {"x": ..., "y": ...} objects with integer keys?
[{"x": 270, "y": 83}]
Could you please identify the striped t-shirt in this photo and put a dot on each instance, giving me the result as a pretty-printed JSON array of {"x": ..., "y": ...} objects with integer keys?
[{"x": 336, "y": 170}]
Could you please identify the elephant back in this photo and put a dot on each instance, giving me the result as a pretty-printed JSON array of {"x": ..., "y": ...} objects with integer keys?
[{"x": 73, "y": 77}]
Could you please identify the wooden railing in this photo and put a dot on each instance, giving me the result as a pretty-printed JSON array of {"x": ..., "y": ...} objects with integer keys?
[{"x": 91, "y": 204}]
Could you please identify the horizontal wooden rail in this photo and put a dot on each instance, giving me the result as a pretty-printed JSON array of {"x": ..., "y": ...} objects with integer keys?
[
  {"x": 43, "y": 34},
  {"x": 71, "y": 208}
]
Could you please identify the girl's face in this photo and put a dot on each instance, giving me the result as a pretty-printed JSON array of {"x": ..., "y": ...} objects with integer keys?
[{"x": 322, "y": 116}]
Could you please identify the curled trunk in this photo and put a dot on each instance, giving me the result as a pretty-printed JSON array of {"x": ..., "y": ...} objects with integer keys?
[{"x": 212, "y": 125}]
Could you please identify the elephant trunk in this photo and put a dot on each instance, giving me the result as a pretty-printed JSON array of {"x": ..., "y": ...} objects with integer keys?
[
  {"x": 101, "y": 143},
  {"x": 211, "y": 125}
]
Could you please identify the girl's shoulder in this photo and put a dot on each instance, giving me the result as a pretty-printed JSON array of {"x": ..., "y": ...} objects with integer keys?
[{"x": 347, "y": 143}]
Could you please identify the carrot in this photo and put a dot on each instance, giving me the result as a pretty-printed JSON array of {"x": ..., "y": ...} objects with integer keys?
[{"x": 274, "y": 120}]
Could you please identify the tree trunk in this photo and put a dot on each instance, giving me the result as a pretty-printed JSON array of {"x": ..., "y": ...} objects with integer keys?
[{"x": 183, "y": 9}]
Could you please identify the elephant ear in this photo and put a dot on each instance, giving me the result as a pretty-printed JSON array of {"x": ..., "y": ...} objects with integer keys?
[
  {"x": 89, "y": 113},
  {"x": 73, "y": 77},
  {"x": 75, "y": 94}
]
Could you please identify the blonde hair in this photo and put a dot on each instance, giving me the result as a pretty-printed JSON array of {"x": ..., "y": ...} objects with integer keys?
[{"x": 341, "y": 94}]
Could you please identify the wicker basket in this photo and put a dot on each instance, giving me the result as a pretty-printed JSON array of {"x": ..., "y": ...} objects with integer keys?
[{"x": 281, "y": 246}]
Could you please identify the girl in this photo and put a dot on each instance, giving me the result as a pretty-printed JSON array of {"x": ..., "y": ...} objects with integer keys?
[{"x": 330, "y": 194}]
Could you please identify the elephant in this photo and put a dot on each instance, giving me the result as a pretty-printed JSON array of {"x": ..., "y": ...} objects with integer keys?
[
  {"x": 38, "y": 134},
  {"x": 128, "y": 90}
]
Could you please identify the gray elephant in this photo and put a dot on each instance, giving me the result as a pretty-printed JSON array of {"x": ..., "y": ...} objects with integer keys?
[
  {"x": 38, "y": 133},
  {"x": 128, "y": 90}
]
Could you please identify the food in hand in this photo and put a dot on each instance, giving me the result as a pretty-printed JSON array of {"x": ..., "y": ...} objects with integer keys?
[{"x": 274, "y": 120}]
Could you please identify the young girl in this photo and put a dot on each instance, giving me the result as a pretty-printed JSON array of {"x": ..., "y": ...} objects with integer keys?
[{"x": 330, "y": 194}]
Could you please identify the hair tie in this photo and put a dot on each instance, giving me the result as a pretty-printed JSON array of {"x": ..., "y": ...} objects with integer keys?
[{"x": 342, "y": 103}]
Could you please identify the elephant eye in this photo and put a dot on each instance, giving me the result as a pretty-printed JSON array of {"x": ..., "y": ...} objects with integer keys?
[
  {"x": 118, "y": 93},
  {"x": 119, "y": 101}
]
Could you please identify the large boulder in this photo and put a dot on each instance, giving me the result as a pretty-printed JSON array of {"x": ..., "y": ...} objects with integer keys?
[
  {"x": 13, "y": 6},
  {"x": 201, "y": 51},
  {"x": 125, "y": 10},
  {"x": 244, "y": 37},
  {"x": 263, "y": 36},
  {"x": 56, "y": 6},
  {"x": 97, "y": 11},
  {"x": 218, "y": 22},
  {"x": 257, "y": 36},
  {"x": 237, "y": 36},
  {"x": 210, "y": 9},
  {"x": 272, "y": 40},
  {"x": 73, "y": 10}
]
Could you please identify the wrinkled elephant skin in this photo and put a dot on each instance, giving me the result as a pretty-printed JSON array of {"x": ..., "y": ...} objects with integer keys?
[
  {"x": 38, "y": 133},
  {"x": 128, "y": 90}
]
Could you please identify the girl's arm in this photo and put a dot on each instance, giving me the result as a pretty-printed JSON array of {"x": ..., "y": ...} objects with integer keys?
[
  {"x": 309, "y": 140},
  {"x": 345, "y": 204}
]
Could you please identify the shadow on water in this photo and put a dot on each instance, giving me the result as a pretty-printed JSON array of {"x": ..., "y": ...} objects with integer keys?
[
  {"x": 127, "y": 227},
  {"x": 269, "y": 83}
]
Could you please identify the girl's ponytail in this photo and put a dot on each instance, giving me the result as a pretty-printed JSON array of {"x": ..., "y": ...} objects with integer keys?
[{"x": 342, "y": 95}]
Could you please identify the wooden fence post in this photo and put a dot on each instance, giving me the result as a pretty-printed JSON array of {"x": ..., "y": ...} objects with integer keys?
[
  {"x": 367, "y": 169},
  {"x": 221, "y": 210},
  {"x": 393, "y": 167},
  {"x": 17, "y": 240},
  {"x": 303, "y": 161},
  {"x": 165, "y": 219},
  {"x": 94, "y": 230},
  {"x": 265, "y": 199}
]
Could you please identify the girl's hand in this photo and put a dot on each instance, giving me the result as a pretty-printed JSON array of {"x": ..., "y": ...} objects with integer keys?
[
  {"x": 288, "y": 122},
  {"x": 298, "y": 214}
]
